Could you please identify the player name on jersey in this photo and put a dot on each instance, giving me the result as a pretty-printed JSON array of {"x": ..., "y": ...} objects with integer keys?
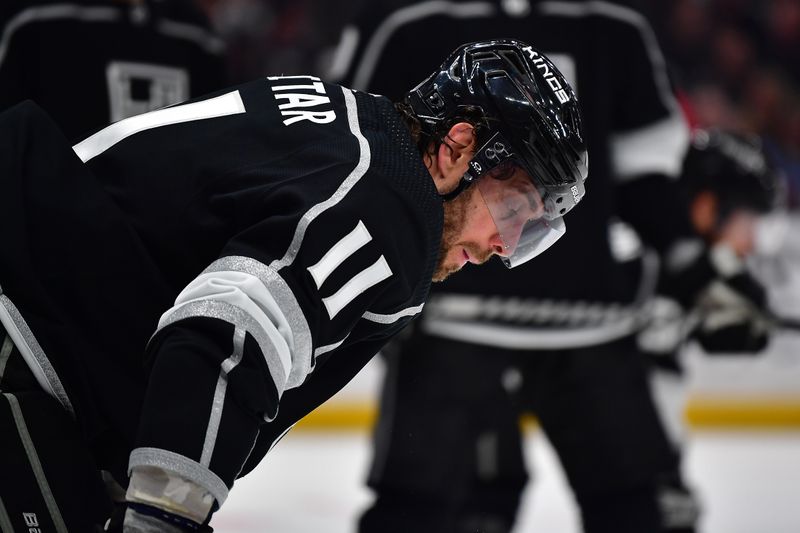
[{"x": 302, "y": 95}]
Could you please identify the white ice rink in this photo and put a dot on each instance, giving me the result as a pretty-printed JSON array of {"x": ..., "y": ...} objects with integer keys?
[{"x": 312, "y": 482}]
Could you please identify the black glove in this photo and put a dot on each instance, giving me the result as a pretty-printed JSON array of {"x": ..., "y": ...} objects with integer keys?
[
  {"x": 732, "y": 316},
  {"x": 728, "y": 305}
]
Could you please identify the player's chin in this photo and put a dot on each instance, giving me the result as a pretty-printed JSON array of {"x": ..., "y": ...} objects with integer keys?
[{"x": 444, "y": 271}]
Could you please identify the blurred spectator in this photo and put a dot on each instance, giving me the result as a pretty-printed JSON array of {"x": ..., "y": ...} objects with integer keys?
[
  {"x": 738, "y": 64},
  {"x": 277, "y": 36}
]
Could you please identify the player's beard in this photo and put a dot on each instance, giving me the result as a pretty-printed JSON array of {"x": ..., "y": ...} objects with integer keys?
[{"x": 456, "y": 212}]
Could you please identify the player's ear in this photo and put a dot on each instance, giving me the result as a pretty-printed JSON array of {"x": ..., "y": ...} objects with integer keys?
[{"x": 456, "y": 150}]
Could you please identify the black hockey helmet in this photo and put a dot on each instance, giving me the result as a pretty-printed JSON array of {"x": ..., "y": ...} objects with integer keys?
[
  {"x": 532, "y": 122},
  {"x": 734, "y": 168}
]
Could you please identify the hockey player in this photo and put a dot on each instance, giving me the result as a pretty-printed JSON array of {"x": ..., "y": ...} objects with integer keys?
[
  {"x": 180, "y": 288},
  {"x": 559, "y": 338},
  {"x": 730, "y": 184},
  {"x": 91, "y": 62}
]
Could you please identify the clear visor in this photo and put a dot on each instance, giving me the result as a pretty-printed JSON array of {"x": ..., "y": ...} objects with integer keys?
[{"x": 518, "y": 211}]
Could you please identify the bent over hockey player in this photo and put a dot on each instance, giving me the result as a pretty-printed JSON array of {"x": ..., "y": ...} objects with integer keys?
[{"x": 182, "y": 287}]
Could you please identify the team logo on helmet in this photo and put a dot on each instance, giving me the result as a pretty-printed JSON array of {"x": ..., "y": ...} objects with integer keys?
[{"x": 549, "y": 77}]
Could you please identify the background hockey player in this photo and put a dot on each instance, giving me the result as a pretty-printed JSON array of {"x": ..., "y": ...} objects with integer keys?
[
  {"x": 558, "y": 338},
  {"x": 730, "y": 185},
  {"x": 91, "y": 62},
  {"x": 180, "y": 288}
]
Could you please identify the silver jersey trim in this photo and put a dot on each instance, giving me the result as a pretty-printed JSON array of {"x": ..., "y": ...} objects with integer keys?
[
  {"x": 32, "y": 353},
  {"x": 218, "y": 402},
  {"x": 519, "y": 338},
  {"x": 280, "y": 290},
  {"x": 394, "y": 317},
  {"x": 5, "y": 521},
  {"x": 237, "y": 317},
  {"x": 287, "y": 371},
  {"x": 530, "y": 324},
  {"x": 36, "y": 465},
  {"x": 183, "y": 466}
]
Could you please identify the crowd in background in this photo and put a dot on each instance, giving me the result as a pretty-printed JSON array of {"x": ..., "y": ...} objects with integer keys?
[
  {"x": 737, "y": 66},
  {"x": 736, "y": 63}
]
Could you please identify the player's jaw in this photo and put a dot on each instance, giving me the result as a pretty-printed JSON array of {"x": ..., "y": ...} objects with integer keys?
[{"x": 469, "y": 235}]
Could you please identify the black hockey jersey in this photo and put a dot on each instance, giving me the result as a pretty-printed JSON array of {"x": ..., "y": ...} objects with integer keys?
[
  {"x": 92, "y": 62},
  {"x": 257, "y": 246},
  {"x": 584, "y": 290}
]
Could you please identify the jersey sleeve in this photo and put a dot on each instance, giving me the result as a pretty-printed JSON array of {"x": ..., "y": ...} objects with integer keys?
[
  {"x": 650, "y": 136},
  {"x": 12, "y": 63},
  {"x": 650, "y": 133},
  {"x": 255, "y": 323}
]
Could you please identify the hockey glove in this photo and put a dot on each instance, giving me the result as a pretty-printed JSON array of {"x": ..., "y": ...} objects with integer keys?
[
  {"x": 727, "y": 304},
  {"x": 732, "y": 316}
]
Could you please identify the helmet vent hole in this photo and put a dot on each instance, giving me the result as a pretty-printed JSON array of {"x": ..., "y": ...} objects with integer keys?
[
  {"x": 562, "y": 211},
  {"x": 514, "y": 59},
  {"x": 560, "y": 199},
  {"x": 456, "y": 70}
]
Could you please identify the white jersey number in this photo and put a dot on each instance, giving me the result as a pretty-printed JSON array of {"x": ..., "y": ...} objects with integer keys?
[{"x": 370, "y": 276}]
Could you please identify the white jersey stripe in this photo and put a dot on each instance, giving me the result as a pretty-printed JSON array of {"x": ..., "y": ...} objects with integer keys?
[
  {"x": 362, "y": 281},
  {"x": 220, "y": 106},
  {"x": 374, "y": 48},
  {"x": 57, "y": 11},
  {"x": 219, "y": 395},
  {"x": 180, "y": 30},
  {"x": 355, "y": 175},
  {"x": 340, "y": 251},
  {"x": 656, "y": 148},
  {"x": 197, "y": 34}
]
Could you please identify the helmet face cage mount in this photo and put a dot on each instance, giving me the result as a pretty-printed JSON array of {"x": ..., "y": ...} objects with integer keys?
[{"x": 532, "y": 121}]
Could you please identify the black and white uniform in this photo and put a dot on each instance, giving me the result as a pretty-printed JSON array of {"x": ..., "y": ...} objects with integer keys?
[
  {"x": 92, "y": 62},
  {"x": 200, "y": 277},
  {"x": 555, "y": 336}
]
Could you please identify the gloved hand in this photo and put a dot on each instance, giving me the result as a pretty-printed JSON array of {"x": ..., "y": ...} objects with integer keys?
[
  {"x": 732, "y": 316},
  {"x": 728, "y": 306}
]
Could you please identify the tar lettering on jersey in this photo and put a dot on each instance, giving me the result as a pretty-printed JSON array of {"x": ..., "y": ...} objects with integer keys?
[
  {"x": 551, "y": 79},
  {"x": 302, "y": 98}
]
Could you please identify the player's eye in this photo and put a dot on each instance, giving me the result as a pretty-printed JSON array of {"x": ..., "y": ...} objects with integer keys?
[{"x": 511, "y": 213}]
